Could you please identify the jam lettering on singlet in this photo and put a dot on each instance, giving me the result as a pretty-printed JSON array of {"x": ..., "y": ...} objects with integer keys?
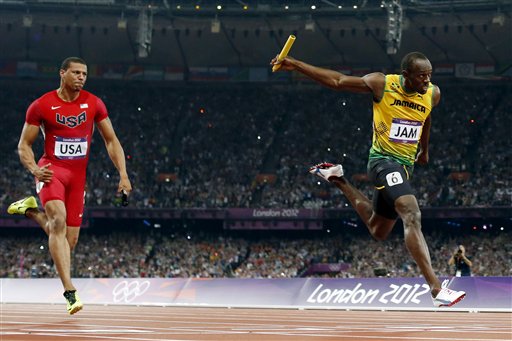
[{"x": 405, "y": 131}]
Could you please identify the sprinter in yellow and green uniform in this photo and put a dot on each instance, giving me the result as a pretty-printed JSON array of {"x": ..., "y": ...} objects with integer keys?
[
  {"x": 398, "y": 119},
  {"x": 402, "y": 104}
]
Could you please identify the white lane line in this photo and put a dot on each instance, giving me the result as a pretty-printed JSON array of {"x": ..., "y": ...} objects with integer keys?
[
  {"x": 108, "y": 337},
  {"x": 87, "y": 331},
  {"x": 302, "y": 315},
  {"x": 191, "y": 326},
  {"x": 163, "y": 318},
  {"x": 381, "y": 337},
  {"x": 322, "y": 330}
]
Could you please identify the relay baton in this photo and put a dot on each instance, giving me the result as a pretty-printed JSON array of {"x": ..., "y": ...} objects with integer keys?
[
  {"x": 284, "y": 52},
  {"x": 124, "y": 198}
]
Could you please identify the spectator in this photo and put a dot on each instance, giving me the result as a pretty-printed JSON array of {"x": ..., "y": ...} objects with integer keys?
[{"x": 460, "y": 262}]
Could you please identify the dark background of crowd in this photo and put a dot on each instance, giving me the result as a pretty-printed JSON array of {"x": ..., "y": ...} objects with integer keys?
[
  {"x": 209, "y": 252},
  {"x": 212, "y": 142},
  {"x": 207, "y": 145}
]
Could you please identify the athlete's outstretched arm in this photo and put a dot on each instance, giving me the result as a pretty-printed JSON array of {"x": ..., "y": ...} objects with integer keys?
[
  {"x": 115, "y": 152},
  {"x": 26, "y": 153},
  {"x": 329, "y": 78},
  {"x": 371, "y": 83}
]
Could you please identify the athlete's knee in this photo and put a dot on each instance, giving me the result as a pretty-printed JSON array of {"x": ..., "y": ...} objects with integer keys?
[
  {"x": 412, "y": 222},
  {"x": 409, "y": 211},
  {"x": 380, "y": 229},
  {"x": 72, "y": 234},
  {"x": 379, "y": 234},
  {"x": 72, "y": 242},
  {"x": 57, "y": 224},
  {"x": 412, "y": 219}
]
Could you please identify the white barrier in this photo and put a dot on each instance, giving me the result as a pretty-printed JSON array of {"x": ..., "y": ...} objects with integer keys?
[{"x": 483, "y": 293}]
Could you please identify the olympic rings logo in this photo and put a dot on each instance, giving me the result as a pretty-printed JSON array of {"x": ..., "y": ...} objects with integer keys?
[{"x": 127, "y": 292}]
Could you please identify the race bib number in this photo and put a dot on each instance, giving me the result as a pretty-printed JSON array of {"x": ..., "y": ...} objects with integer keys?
[
  {"x": 405, "y": 131},
  {"x": 70, "y": 148},
  {"x": 394, "y": 178}
]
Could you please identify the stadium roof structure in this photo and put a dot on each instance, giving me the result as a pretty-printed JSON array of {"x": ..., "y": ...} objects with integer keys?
[
  {"x": 249, "y": 33},
  {"x": 269, "y": 7}
]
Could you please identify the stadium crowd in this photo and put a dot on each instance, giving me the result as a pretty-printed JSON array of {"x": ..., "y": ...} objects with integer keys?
[
  {"x": 206, "y": 146},
  {"x": 208, "y": 255}
]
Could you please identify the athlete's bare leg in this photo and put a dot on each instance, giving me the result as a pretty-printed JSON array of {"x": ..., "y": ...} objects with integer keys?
[
  {"x": 378, "y": 226},
  {"x": 408, "y": 209},
  {"x": 57, "y": 242},
  {"x": 39, "y": 217},
  {"x": 72, "y": 234},
  {"x": 42, "y": 220}
]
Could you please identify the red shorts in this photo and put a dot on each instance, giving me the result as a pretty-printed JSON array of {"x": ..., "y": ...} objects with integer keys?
[{"x": 67, "y": 185}]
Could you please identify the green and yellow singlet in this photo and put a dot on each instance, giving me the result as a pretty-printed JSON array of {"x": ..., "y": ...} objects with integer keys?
[{"x": 398, "y": 121}]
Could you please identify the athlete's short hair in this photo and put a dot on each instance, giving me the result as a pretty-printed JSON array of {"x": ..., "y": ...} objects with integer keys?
[
  {"x": 65, "y": 63},
  {"x": 409, "y": 59}
]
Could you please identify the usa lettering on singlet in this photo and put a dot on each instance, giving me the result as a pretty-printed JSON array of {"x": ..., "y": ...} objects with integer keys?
[{"x": 67, "y": 126}]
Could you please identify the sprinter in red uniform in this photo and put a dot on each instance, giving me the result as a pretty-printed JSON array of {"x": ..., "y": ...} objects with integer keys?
[{"x": 66, "y": 117}]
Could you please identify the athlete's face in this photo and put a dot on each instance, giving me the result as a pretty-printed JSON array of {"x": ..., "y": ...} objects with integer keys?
[
  {"x": 417, "y": 78},
  {"x": 74, "y": 77}
]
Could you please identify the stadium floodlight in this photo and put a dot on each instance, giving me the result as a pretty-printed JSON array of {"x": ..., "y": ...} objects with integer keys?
[
  {"x": 394, "y": 25},
  {"x": 215, "y": 27},
  {"x": 310, "y": 25},
  {"x": 122, "y": 23},
  {"x": 27, "y": 20},
  {"x": 144, "y": 32},
  {"x": 499, "y": 19}
]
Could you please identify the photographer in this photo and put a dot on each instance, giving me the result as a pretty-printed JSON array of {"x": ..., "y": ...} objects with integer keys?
[{"x": 461, "y": 262}]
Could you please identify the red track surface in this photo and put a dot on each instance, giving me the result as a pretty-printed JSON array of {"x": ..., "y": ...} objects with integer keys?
[{"x": 51, "y": 322}]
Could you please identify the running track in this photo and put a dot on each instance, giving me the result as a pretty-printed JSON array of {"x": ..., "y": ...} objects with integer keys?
[{"x": 95, "y": 322}]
